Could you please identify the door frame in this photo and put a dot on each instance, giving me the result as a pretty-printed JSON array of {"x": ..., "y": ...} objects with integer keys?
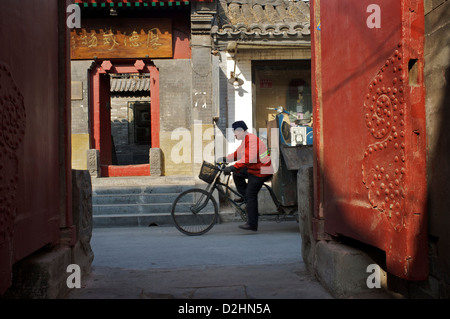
[{"x": 100, "y": 117}]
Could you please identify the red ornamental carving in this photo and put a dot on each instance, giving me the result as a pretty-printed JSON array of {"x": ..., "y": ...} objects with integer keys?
[
  {"x": 384, "y": 160},
  {"x": 12, "y": 131}
]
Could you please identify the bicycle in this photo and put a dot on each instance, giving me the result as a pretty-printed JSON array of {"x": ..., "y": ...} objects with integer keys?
[{"x": 195, "y": 211}]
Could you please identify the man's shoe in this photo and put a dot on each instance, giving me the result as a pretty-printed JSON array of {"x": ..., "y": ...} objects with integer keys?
[{"x": 248, "y": 227}]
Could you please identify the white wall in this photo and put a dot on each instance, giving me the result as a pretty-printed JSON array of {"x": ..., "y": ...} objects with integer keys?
[{"x": 239, "y": 100}]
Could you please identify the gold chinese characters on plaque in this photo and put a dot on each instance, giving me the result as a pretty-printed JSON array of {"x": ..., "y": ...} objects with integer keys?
[{"x": 127, "y": 38}]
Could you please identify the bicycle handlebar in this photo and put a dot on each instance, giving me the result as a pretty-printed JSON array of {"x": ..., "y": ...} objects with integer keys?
[{"x": 221, "y": 165}]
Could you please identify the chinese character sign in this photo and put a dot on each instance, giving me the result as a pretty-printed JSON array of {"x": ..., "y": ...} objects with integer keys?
[{"x": 133, "y": 38}]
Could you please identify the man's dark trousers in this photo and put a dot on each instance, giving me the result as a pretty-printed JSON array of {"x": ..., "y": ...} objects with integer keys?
[{"x": 250, "y": 191}]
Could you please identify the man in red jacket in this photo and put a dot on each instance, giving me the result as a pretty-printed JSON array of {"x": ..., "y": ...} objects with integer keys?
[{"x": 252, "y": 163}]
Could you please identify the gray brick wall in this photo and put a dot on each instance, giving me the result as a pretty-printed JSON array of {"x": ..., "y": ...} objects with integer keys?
[
  {"x": 202, "y": 79},
  {"x": 202, "y": 14},
  {"x": 223, "y": 91},
  {"x": 175, "y": 93},
  {"x": 80, "y": 108}
]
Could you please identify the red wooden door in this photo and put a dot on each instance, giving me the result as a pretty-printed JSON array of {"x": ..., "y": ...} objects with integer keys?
[
  {"x": 34, "y": 171},
  {"x": 370, "y": 139}
]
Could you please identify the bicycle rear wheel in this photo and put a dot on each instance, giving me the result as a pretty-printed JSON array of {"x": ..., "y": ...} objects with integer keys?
[{"x": 194, "y": 212}]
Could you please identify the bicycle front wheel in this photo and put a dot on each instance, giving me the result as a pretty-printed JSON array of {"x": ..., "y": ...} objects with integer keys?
[{"x": 194, "y": 212}]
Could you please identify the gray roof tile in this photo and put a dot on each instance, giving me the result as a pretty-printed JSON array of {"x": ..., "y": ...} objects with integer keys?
[
  {"x": 262, "y": 18},
  {"x": 130, "y": 83}
]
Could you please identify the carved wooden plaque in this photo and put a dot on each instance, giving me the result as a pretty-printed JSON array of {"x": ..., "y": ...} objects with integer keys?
[{"x": 124, "y": 38}]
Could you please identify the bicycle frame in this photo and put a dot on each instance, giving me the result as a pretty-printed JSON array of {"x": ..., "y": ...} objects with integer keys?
[
  {"x": 224, "y": 193},
  {"x": 217, "y": 183}
]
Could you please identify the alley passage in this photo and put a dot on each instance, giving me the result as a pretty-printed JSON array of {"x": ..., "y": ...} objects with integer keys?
[{"x": 160, "y": 262}]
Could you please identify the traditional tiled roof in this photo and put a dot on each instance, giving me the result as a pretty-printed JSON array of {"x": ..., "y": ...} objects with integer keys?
[
  {"x": 262, "y": 19},
  {"x": 131, "y": 83}
]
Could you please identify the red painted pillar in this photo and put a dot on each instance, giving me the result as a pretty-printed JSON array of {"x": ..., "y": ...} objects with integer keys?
[
  {"x": 101, "y": 115},
  {"x": 155, "y": 106}
]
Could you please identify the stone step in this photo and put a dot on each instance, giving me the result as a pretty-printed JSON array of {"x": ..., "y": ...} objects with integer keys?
[
  {"x": 132, "y": 220},
  {"x": 136, "y": 190},
  {"x": 123, "y": 209},
  {"x": 133, "y": 199},
  {"x": 142, "y": 181},
  {"x": 140, "y": 201},
  {"x": 155, "y": 208}
]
